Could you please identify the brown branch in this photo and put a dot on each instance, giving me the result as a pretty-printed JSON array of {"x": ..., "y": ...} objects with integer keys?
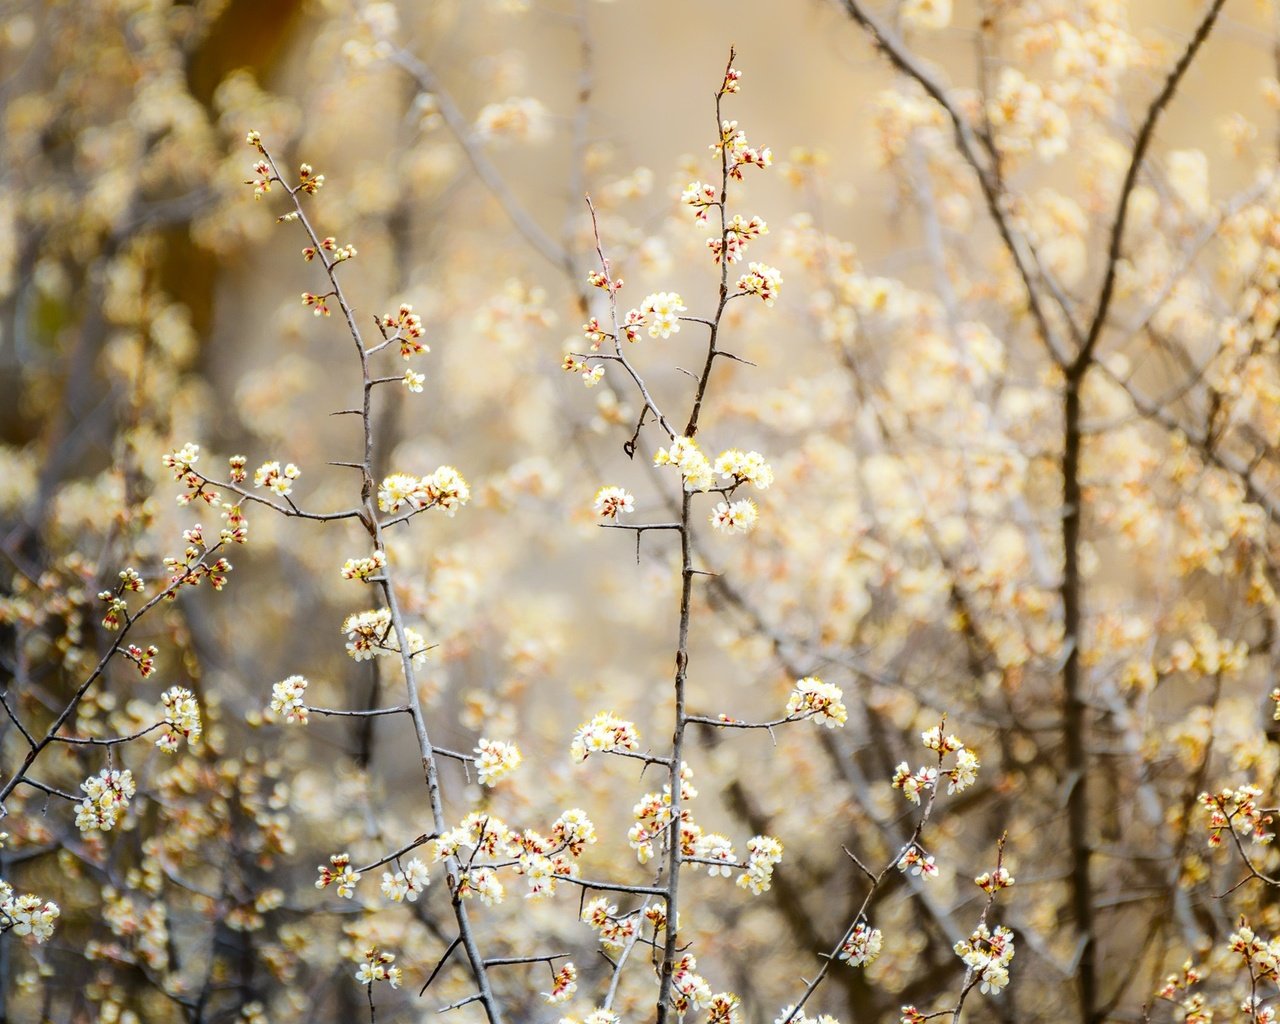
[
  {"x": 1143, "y": 142},
  {"x": 1020, "y": 248}
]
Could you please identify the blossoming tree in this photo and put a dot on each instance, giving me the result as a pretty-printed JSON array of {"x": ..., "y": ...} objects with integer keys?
[{"x": 441, "y": 732}]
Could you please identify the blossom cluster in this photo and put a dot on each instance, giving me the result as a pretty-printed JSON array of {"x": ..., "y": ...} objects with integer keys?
[
  {"x": 495, "y": 760},
  {"x": 614, "y": 930},
  {"x": 288, "y": 698},
  {"x": 988, "y": 954},
  {"x": 652, "y": 814},
  {"x": 1024, "y": 118},
  {"x": 735, "y": 516},
  {"x": 372, "y": 633},
  {"x": 191, "y": 567},
  {"x": 740, "y": 467},
  {"x": 181, "y": 718},
  {"x": 597, "y": 1016},
  {"x": 737, "y": 153},
  {"x": 272, "y": 477},
  {"x": 1237, "y": 809},
  {"x": 762, "y": 281},
  {"x": 541, "y": 859},
  {"x": 737, "y": 233},
  {"x": 340, "y": 874},
  {"x": 444, "y": 489},
  {"x": 1262, "y": 955},
  {"x": 363, "y": 568},
  {"x": 916, "y": 862},
  {"x": 689, "y": 989},
  {"x": 564, "y": 984},
  {"x": 610, "y": 502},
  {"x": 686, "y": 456},
  {"x": 863, "y": 945},
  {"x": 107, "y": 797},
  {"x": 377, "y": 967},
  {"x": 407, "y": 883},
  {"x": 959, "y": 777},
  {"x": 606, "y": 732},
  {"x": 27, "y": 914},
  {"x": 763, "y": 853},
  {"x": 822, "y": 702},
  {"x": 404, "y": 326}
]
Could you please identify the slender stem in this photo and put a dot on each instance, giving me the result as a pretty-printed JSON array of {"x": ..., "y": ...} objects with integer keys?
[
  {"x": 177, "y": 582},
  {"x": 674, "y": 854},
  {"x": 1145, "y": 136},
  {"x": 385, "y": 583}
]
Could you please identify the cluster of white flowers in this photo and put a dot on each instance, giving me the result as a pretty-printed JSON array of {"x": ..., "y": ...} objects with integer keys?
[
  {"x": 405, "y": 326},
  {"x": 724, "y": 1008},
  {"x": 180, "y": 460},
  {"x": 735, "y": 516},
  {"x": 604, "y": 733},
  {"x": 702, "y": 197},
  {"x": 413, "y": 381},
  {"x": 181, "y": 718},
  {"x": 652, "y": 815},
  {"x": 371, "y": 632},
  {"x": 544, "y": 860},
  {"x": 687, "y": 457},
  {"x": 363, "y": 568},
  {"x": 823, "y": 702},
  {"x": 610, "y": 502},
  {"x": 614, "y": 931},
  {"x": 271, "y": 476},
  {"x": 738, "y": 154},
  {"x": 287, "y": 699},
  {"x": 916, "y": 862},
  {"x": 406, "y": 884},
  {"x": 520, "y": 118},
  {"x": 689, "y": 989},
  {"x": 744, "y": 467},
  {"x": 495, "y": 760},
  {"x": 738, "y": 233},
  {"x": 994, "y": 881},
  {"x": 965, "y": 772},
  {"x": 763, "y": 852},
  {"x": 862, "y": 946},
  {"x": 377, "y": 967},
  {"x": 107, "y": 796},
  {"x": 959, "y": 777},
  {"x": 1261, "y": 959},
  {"x": 482, "y": 882},
  {"x": 542, "y": 872},
  {"x": 762, "y": 281},
  {"x": 563, "y": 985},
  {"x": 661, "y": 311},
  {"x": 1238, "y": 810},
  {"x": 340, "y": 874},
  {"x": 484, "y": 832},
  {"x": 713, "y": 846},
  {"x": 444, "y": 489},
  {"x": 914, "y": 783},
  {"x": 1024, "y": 118},
  {"x": 988, "y": 954},
  {"x": 573, "y": 830},
  {"x": 26, "y": 914}
]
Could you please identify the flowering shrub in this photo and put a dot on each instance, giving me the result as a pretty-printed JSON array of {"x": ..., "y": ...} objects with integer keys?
[{"x": 954, "y": 550}]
